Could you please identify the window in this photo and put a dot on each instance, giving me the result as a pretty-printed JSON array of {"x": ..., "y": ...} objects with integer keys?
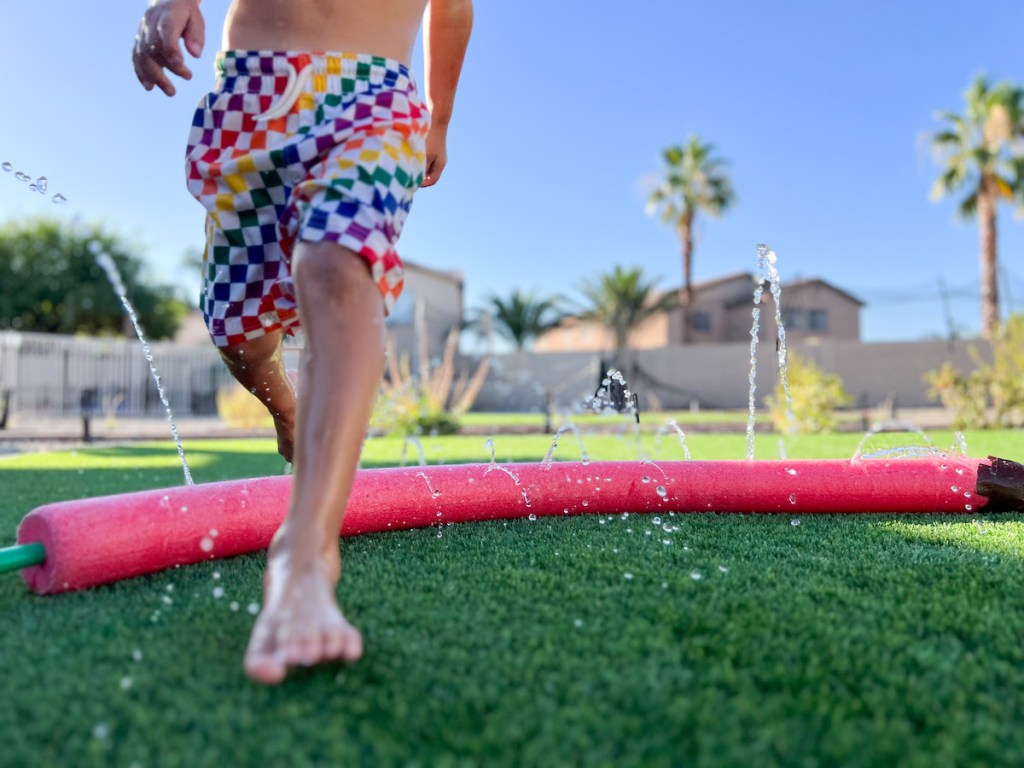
[
  {"x": 702, "y": 321},
  {"x": 794, "y": 319},
  {"x": 805, "y": 319}
]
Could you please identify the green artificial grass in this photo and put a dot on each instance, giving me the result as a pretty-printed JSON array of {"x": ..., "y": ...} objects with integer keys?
[{"x": 705, "y": 639}]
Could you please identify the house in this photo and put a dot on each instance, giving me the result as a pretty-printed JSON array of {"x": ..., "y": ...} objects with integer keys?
[{"x": 722, "y": 312}]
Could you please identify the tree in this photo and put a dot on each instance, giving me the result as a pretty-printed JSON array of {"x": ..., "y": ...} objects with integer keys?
[
  {"x": 53, "y": 284},
  {"x": 980, "y": 155},
  {"x": 621, "y": 301},
  {"x": 694, "y": 181},
  {"x": 522, "y": 316}
]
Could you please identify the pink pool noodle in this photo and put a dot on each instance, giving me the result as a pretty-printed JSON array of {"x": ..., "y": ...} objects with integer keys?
[{"x": 99, "y": 540}]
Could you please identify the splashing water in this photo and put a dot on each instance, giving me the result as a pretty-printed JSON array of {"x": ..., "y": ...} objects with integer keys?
[
  {"x": 40, "y": 185},
  {"x": 106, "y": 263},
  {"x": 755, "y": 329},
  {"x": 489, "y": 443},
  {"x": 912, "y": 451},
  {"x": 549, "y": 456},
  {"x": 614, "y": 396},
  {"x": 682, "y": 438},
  {"x": 960, "y": 443},
  {"x": 766, "y": 272},
  {"x": 415, "y": 442},
  {"x": 767, "y": 260}
]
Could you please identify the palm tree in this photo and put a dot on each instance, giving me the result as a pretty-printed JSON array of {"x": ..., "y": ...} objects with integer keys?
[
  {"x": 980, "y": 155},
  {"x": 694, "y": 181},
  {"x": 521, "y": 317},
  {"x": 621, "y": 301}
]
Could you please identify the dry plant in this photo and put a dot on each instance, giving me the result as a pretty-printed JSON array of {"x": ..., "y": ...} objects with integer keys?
[{"x": 433, "y": 401}]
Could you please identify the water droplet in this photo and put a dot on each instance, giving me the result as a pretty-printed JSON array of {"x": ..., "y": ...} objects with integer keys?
[
  {"x": 137, "y": 655},
  {"x": 968, "y": 507},
  {"x": 722, "y": 569},
  {"x": 435, "y": 494},
  {"x": 167, "y": 600},
  {"x": 218, "y": 593},
  {"x": 41, "y": 183},
  {"x": 100, "y": 731},
  {"x": 565, "y": 511},
  {"x": 531, "y": 517},
  {"x": 126, "y": 683},
  {"x": 666, "y": 542},
  {"x": 967, "y": 494},
  {"x": 602, "y": 521},
  {"x": 21, "y": 176},
  {"x": 206, "y": 544},
  {"x": 7, "y": 167},
  {"x": 33, "y": 188},
  {"x": 645, "y": 479},
  {"x": 233, "y": 605},
  {"x": 253, "y": 608},
  {"x": 790, "y": 471},
  {"x": 959, "y": 470},
  {"x": 954, "y": 489},
  {"x": 585, "y": 503},
  {"x": 792, "y": 498},
  {"x": 696, "y": 575},
  {"x": 216, "y": 575},
  {"x": 656, "y": 521},
  {"x": 578, "y": 623},
  {"x": 664, "y": 585},
  {"x": 439, "y": 513},
  {"x": 184, "y": 508},
  {"x": 794, "y": 522},
  {"x": 627, "y": 576},
  {"x": 660, "y": 490}
]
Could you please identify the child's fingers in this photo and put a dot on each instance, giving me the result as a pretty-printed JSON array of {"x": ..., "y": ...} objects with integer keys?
[{"x": 195, "y": 35}]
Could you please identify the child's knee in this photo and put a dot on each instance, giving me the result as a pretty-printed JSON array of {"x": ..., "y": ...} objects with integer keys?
[{"x": 330, "y": 269}]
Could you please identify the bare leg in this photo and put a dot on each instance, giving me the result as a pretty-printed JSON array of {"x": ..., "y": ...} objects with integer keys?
[
  {"x": 257, "y": 366},
  {"x": 341, "y": 368}
]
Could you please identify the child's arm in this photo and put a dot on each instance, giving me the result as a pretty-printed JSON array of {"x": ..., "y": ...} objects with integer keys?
[
  {"x": 165, "y": 23},
  {"x": 446, "y": 28}
]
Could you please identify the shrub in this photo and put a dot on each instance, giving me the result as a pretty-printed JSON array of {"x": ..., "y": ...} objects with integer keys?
[
  {"x": 816, "y": 396},
  {"x": 993, "y": 394},
  {"x": 237, "y": 407},
  {"x": 431, "y": 403}
]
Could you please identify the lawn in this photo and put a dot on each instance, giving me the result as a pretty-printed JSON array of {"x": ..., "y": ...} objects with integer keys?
[{"x": 743, "y": 640}]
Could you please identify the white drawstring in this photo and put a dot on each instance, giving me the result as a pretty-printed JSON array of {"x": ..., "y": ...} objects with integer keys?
[{"x": 297, "y": 82}]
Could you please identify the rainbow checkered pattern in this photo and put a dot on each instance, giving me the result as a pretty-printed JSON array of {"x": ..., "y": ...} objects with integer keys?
[{"x": 300, "y": 146}]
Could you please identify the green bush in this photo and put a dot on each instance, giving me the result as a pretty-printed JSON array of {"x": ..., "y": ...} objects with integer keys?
[
  {"x": 993, "y": 394},
  {"x": 816, "y": 396}
]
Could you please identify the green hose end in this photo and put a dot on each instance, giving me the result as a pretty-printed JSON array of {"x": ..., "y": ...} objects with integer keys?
[{"x": 22, "y": 556}]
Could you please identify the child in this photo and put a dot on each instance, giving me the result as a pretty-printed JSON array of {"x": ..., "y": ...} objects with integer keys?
[{"x": 306, "y": 156}]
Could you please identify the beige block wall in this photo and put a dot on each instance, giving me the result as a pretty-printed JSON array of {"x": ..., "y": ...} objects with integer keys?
[{"x": 716, "y": 375}]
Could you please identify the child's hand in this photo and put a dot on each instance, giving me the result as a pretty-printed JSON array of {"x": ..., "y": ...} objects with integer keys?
[
  {"x": 156, "y": 43},
  {"x": 437, "y": 154}
]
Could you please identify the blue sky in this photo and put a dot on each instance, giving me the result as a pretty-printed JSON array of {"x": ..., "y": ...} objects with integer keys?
[{"x": 821, "y": 109}]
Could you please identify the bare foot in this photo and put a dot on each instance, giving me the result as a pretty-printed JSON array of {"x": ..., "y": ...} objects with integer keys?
[{"x": 300, "y": 623}]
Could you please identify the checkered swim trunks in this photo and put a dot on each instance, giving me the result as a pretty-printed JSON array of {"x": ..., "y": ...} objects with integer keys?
[{"x": 300, "y": 146}]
